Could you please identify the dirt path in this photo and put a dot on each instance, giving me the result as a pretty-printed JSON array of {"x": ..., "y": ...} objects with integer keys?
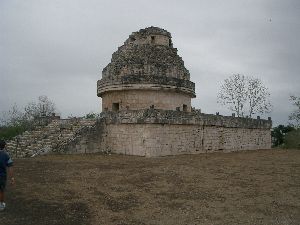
[{"x": 254, "y": 187}]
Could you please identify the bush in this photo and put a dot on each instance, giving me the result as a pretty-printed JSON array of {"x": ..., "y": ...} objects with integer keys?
[
  {"x": 92, "y": 115},
  {"x": 9, "y": 132},
  {"x": 278, "y": 135},
  {"x": 292, "y": 139}
]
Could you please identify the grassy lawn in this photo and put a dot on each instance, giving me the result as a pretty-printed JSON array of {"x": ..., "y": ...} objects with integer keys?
[{"x": 251, "y": 187}]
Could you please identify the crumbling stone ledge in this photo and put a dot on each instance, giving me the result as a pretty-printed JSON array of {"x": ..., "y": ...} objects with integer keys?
[
  {"x": 180, "y": 84},
  {"x": 157, "y": 116}
]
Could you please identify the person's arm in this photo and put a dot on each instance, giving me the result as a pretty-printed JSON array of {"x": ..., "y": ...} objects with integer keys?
[{"x": 10, "y": 171}]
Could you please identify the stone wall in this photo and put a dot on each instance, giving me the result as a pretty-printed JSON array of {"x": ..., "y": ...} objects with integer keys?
[
  {"x": 143, "y": 99},
  {"x": 154, "y": 132},
  {"x": 149, "y": 132},
  {"x": 155, "y": 39},
  {"x": 156, "y": 116},
  {"x": 172, "y": 139}
]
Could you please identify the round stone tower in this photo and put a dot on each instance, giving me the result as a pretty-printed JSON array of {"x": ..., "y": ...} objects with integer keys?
[{"x": 146, "y": 72}]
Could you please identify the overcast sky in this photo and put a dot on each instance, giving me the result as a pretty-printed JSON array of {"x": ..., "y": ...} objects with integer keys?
[{"x": 58, "y": 48}]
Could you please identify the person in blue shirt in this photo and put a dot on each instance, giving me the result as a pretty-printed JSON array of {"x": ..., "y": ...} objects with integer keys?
[{"x": 5, "y": 166}]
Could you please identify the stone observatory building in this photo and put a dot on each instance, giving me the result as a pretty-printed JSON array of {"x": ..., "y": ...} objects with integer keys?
[
  {"x": 146, "y": 72},
  {"x": 146, "y": 105}
]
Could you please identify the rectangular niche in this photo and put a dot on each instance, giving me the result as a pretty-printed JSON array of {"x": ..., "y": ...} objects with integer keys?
[{"x": 115, "y": 107}]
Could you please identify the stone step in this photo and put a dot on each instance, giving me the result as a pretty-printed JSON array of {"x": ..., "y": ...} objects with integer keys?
[{"x": 49, "y": 136}]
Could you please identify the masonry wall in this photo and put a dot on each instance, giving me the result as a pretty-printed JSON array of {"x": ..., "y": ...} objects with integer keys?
[
  {"x": 135, "y": 99},
  {"x": 151, "y": 39},
  {"x": 172, "y": 139},
  {"x": 153, "y": 132}
]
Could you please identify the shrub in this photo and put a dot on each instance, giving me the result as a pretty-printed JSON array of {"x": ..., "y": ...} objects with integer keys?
[
  {"x": 292, "y": 139},
  {"x": 278, "y": 134},
  {"x": 9, "y": 132}
]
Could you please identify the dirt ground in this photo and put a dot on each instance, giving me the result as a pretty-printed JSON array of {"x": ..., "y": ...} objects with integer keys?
[{"x": 252, "y": 187}]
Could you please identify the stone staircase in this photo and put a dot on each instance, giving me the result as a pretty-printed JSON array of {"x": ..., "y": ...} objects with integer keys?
[{"x": 53, "y": 137}]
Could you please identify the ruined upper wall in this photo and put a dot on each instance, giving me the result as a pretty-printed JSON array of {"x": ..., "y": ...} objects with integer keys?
[
  {"x": 150, "y": 35},
  {"x": 147, "y": 52},
  {"x": 155, "y": 116}
]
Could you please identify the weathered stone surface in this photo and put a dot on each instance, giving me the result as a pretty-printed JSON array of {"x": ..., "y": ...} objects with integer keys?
[
  {"x": 172, "y": 139},
  {"x": 146, "y": 61},
  {"x": 135, "y": 81},
  {"x": 144, "y": 99},
  {"x": 155, "y": 116},
  {"x": 54, "y": 137},
  {"x": 147, "y": 52}
]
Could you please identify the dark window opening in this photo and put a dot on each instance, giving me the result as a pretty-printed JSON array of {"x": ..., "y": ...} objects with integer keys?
[
  {"x": 115, "y": 107},
  {"x": 152, "y": 39},
  {"x": 184, "y": 108}
]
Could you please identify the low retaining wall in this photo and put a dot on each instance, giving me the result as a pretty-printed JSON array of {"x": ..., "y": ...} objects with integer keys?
[
  {"x": 158, "y": 132},
  {"x": 170, "y": 139}
]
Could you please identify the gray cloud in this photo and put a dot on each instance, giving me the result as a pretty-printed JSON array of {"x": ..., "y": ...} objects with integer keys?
[{"x": 58, "y": 48}]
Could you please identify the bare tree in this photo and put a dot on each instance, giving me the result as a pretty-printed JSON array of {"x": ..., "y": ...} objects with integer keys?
[
  {"x": 233, "y": 93},
  {"x": 244, "y": 95},
  {"x": 15, "y": 121},
  {"x": 13, "y": 117},
  {"x": 258, "y": 97},
  {"x": 44, "y": 107},
  {"x": 295, "y": 116}
]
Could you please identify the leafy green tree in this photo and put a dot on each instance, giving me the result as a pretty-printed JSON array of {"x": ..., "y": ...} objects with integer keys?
[
  {"x": 278, "y": 134},
  {"x": 292, "y": 139}
]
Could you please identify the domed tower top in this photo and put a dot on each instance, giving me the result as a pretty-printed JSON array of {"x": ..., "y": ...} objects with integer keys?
[
  {"x": 150, "y": 35},
  {"x": 147, "y": 62},
  {"x": 148, "y": 52}
]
